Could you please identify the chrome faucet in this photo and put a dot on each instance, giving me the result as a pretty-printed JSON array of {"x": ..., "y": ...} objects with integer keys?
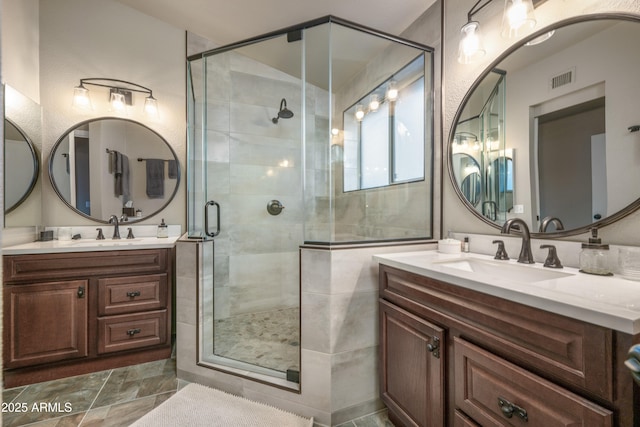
[
  {"x": 113, "y": 219},
  {"x": 525, "y": 257},
  {"x": 548, "y": 220}
]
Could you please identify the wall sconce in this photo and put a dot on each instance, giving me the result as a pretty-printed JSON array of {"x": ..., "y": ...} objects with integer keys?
[
  {"x": 120, "y": 95},
  {"x": 359, "y": 113},
  {"x": 518, "y": 15}
]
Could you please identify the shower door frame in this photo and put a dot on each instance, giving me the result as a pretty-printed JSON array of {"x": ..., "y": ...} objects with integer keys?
[{"x": 293, "y": 33}]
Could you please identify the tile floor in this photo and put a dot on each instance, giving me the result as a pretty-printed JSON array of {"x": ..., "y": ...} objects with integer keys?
[{"x": 113, "y": 398}]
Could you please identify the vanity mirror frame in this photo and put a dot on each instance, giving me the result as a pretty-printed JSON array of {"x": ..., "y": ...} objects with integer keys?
[
  {"x": 35, "y": 156},
  {"x": 632, "y": 207},
  {"x": 131, "y": 218}
]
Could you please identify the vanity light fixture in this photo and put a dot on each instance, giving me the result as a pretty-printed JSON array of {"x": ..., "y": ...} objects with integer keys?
[
  {"x": 120, "y": 95},
  {"x": 518, "y": 16},
  {"x": 359, "y": 113}
]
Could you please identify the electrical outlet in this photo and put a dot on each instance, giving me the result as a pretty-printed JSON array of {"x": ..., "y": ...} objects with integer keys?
[{"x": 518, "y": 209}]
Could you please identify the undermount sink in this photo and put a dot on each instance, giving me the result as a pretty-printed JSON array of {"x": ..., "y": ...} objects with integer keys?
[{"x": 504, "y": 270}]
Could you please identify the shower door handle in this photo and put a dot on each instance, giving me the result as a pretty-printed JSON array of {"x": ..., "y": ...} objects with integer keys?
[{"x": 206, "y": 218}]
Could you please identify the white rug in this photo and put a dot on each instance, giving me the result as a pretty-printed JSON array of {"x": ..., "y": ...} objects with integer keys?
[{"x": 197, "y": 405}]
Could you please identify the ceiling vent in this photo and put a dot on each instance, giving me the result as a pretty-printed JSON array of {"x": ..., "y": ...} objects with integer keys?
[{"x": 565, "y": 78}]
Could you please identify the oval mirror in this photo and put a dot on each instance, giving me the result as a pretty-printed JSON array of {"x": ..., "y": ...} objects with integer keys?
[
  {"x": 568, "y": 106},
  {"x": 21, "y": 165},
  {"x": 108, "y": 166}
]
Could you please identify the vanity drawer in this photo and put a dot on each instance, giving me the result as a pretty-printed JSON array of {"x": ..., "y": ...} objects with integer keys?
[
  {"x": 120, "y": 295},
  {"x": 568, "y": 351},
  {"x": 495, "y": 392},
  {"x": 82, "y": 264},
  {"x": 127, "y": 332}
]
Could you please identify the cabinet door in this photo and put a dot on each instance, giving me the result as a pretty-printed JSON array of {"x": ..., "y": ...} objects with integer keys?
[
  {"x": 45, "y": 322},
  {"x": 412, "y": 374}
]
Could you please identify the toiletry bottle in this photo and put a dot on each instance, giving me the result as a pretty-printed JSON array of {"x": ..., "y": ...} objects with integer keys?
[
  {"x": 163, "y": 229},
  {"x": 594, "y": 257},
  {"x": 465, "y": 245}
]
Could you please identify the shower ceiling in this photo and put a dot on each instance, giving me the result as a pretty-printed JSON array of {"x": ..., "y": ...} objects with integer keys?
[{"x": 231, "y": 21}]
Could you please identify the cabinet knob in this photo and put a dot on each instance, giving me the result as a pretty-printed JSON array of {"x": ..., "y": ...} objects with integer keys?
[
  {"x": 132, "y": 332},
  {"x": 133, "y": 294},
  {"x": 434, "y": 347},
  {"x": 509, "y": 409},
  {"x": 81, "y": 291}
]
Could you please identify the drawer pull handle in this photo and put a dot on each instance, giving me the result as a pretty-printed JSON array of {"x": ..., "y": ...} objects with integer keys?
[
  {"x": 133, "y": 294},
  {"x": 508, "y": 409},
  {"x": 132, "y": 332},
  {"x": 80, "y": 291},
  {"x": 434, "y": 348}
]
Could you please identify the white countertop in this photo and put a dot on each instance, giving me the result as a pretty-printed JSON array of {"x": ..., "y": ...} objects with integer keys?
[
  {"x": 145, "y": 238},
  {"x": 86, "y": 245},
  {"x": 608, "y": 301}
]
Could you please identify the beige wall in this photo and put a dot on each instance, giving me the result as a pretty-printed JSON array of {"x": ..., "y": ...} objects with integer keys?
[
  {"x": 459, "y": 78},
  {"x": 74, "y": 39}
]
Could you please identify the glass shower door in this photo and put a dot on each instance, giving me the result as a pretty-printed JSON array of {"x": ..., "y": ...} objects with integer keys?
[{"x": 247, "y": 128}]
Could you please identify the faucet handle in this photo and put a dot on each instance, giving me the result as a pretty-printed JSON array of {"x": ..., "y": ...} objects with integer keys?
[
  {"x": 130, "y": 234},
  {"x": 552, "y": 260},
  {"x": 100, "y": 234},
  {"x": 501, "y": 253}
]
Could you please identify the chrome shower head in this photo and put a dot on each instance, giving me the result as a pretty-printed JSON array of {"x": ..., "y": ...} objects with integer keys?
[{"x": 284, "y": 112}]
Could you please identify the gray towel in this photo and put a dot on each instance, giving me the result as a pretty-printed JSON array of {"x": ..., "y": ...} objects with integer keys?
[
  {"x": 126, "y": 193},
  {"x": 172, "y": 169},
  {"x": 155, "y": 178},
  {"x": 121, "y": 176}
]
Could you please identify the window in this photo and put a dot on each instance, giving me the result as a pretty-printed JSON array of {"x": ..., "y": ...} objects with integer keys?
[{"x": 384, "y": 132}]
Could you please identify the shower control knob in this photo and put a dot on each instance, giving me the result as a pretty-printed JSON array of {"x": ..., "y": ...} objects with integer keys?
[{"x": 274, "y": 207}]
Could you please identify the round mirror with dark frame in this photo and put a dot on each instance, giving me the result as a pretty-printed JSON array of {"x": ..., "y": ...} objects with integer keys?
[
  {"x": 568, "y": 106},
  {"x": 114, "y": 166},
  {"x": 21, "y": 166}
]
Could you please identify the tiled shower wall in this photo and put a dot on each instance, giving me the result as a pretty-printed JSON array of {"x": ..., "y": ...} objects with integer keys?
[{"x": 251, "y": 161}]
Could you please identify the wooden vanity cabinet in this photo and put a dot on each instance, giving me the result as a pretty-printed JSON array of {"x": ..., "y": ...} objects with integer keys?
[
  {"x": 505, "y": 364},
  {"x": 72, "y": 313}
]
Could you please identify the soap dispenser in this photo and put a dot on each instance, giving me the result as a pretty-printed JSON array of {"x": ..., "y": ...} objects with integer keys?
[
  {"x": 163, "y": 229},
  {"x": 594, "y": 257}
]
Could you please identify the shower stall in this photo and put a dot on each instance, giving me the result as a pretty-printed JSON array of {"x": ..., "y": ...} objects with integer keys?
[{"x": 279, "y": 159}]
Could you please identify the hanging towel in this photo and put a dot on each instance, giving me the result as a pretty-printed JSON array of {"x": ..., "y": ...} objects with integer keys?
[
  {"x": 126, "y": 193},
  {"x": 172, "y": 169},
  {"x": 155, "y": 178},
  {"x": 121, "y": 175},
  {"x": 117, "y": 173}
]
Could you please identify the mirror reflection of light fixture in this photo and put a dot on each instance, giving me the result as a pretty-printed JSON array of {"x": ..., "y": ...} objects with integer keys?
[
  {"x": 359, "y": 112},
  {"x": 518, "y": 16},
  {"x": 540, "y": 39},
  {"x": 120, "y": 95},
  {"x": 392, "y": 91},
  {"x": 374, "y": 103}
]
